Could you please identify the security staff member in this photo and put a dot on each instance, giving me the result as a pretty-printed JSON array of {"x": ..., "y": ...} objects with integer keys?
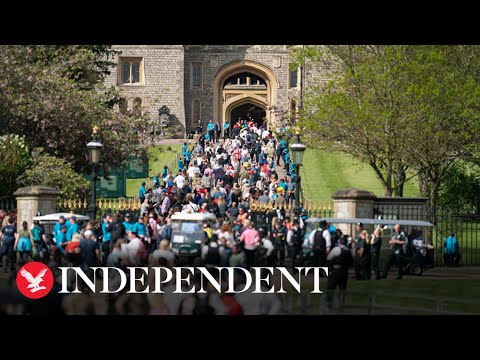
[
  {"x": 295, "y": 241},
  {"x": 362, "y": 256},
  {"x": 339, "y": 259},
  {"x": 397, "y": 242},
  {"x": 376, "y": 247},
  {"x": 279, "y": 233},
  {"x": 321, "y": 243}
]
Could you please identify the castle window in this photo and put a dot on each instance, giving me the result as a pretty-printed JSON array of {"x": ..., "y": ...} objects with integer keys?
[
  {"x": 196, "y": 115},
  {"x": 245, "y": 80},
  {"x": 293, "y": 76},
  {"x": 131, "y": 71},
  {"x": 197, "y": 74}
]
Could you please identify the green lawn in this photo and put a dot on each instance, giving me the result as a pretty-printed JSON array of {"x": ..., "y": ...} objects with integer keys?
[
  {"x": 158, "y": 157},
  {"x": 412, "y": 295},
  {"x": 420, "y": 293},
  {"x": 324, "y": 172}
]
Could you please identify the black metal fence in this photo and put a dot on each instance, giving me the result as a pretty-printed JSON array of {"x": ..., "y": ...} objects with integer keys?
[
  {"x": 8, "y": 204},
  {"x": 465, "y": 228},
  {"x": 463, "y": 225},
  {"x": 262, "y": 215}
]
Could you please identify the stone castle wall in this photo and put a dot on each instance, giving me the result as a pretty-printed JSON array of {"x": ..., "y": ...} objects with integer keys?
[
  {"x": 167, "y": 77},
  {"x": 163, "y": 67}
]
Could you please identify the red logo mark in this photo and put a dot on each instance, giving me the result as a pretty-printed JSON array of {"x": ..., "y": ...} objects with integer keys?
[{"x": 35, "y": 280}]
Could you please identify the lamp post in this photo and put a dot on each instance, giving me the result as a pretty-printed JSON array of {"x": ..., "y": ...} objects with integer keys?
[
  {"x": 94, "y": 149},
  {"x": 297, "y": 150}
]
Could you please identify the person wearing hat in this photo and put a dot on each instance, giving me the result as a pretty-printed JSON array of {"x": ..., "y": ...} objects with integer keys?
[
  {"x": 127, "y": 223},
  {"x": 338, "y": 260},
  {"x": 73, "y": 228},
  {"x": 321, "y": 243},
  {"x": 90, "y": 252},
  {"x": 280, "y": 199},
  {"x": 295, "y": 242},
  {"x": 397, "y": 242},
  {"x": 139, "y": 228},
  {"x": 57, "y": 229},
  {"x": 141, "y": 192}
]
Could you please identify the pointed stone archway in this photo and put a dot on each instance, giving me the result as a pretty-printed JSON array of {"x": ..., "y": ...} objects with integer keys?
[
  {"x": 227, "y": 98},
  {"x": 240, "y": 100}
]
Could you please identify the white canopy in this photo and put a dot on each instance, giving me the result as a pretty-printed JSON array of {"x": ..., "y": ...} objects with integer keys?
[
  {"x": 194, "y": 217},
  {"x": 56, "y": 217}
]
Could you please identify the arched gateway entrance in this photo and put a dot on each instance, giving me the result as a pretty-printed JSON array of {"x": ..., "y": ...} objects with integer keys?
[
  {"x": 245, "y": 88},
  {"x": 248, "y": 111}
]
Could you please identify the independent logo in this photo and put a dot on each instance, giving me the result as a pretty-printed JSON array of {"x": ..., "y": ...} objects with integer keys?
[{"x": 35, "y": 280}]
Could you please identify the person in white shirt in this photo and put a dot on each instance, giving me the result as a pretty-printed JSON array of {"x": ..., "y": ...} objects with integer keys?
[
  {"x": 179, "y": 180},
  {"x": 269, "y": 255},
  {"x": 193, "y": 172},
  {"x": 134, "y": 250}
]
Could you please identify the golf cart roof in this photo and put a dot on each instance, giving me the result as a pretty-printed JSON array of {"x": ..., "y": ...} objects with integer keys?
[
  {"x": 50, "y": 218},
  {"x": 194, "y": 217},
  {"x": 371, "y": 221}
]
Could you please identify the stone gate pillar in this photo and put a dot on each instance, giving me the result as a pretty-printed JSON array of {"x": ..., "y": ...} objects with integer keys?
[
  {"x": 34, "y": 199},
  {"x": 352, "y": 203}
]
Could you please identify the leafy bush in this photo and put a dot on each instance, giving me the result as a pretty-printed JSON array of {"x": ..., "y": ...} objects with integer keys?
[
  {"x": 14, "y": 160},
  {"x": 47, "y": 170}
]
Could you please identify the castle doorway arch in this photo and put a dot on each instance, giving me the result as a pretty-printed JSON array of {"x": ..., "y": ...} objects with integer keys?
[{"x": 244, "y": 82}]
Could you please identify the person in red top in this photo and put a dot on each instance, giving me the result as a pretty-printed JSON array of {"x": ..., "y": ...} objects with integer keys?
[
  {"x": 288, "y": 223},
  {"x": 72, "y": 245},
  {"x": 202, "y": 190}
]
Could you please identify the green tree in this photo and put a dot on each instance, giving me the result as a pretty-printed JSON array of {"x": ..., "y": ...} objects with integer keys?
[
  {"x": 14, "y": 160},
  {"x": 54, "y": 95},
  {"x": 443, "y": 87},
  {"x": 47, "y": 170},
  {"x": 405, "y": 110},
  {"x": 359, "y": 109},
  {"x": 461, "y": 188}
]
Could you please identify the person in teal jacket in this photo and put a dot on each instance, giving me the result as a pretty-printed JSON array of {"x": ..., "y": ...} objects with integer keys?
[
  {"x": 106, "y": 235},
  {"x": 128, "y": 225},
  {"x": 141, "y": 192},
  {"x": 73, "y": 228},
  {"x": 58, "y": 227},
  {"x": 61, "y": 238},
  {"x": 139, "y": 228}
]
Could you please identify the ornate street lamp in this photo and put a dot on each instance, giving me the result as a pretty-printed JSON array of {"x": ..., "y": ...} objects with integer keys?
[
  {"x": 94, "y": 150},
  {"x": 297, "y": 150}
]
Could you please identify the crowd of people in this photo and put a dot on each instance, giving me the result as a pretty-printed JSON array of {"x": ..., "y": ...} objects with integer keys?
[{"x": 222, "y": 178}]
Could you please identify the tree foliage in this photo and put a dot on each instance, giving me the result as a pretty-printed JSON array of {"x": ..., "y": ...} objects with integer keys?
[
  {"x": 14, "y": 160},
  {"x": 47, "y": 170},
  {"x": 460, "y": 189},
  {"x": 404, "y": 110},
  {"x": 53, "y": 95}
]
